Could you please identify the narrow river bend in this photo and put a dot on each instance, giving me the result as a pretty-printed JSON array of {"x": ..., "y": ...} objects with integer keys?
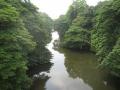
[{"x": 72, "y": 71}]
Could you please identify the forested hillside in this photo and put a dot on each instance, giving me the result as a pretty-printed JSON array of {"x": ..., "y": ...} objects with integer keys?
[
  {"x": 24, "y": 33},
  {"x": 95, "y": 29}
]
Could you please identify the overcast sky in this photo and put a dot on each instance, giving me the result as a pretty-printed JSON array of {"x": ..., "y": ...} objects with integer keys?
[{"x": 55, "y": 8}]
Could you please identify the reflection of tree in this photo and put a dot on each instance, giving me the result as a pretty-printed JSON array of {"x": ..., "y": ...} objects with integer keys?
[
  {"x": 114, "y": 81},
  {"x": 39, "y": 84},
  {"x": 84, "y": 66},
  {"x": 40, "y": 61},
  {"x": 40, "y": 68}
]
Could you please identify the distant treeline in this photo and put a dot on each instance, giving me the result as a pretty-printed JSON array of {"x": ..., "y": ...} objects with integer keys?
[
  {"x": 24, "y": 32},
  {"x": 93, "y": 28}
]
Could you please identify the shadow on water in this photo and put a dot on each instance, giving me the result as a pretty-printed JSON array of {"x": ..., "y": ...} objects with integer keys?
[{"x": 113, "y": 81}]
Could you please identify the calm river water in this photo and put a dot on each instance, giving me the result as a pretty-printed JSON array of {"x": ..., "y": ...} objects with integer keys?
[{"x": 72, "y": 70}]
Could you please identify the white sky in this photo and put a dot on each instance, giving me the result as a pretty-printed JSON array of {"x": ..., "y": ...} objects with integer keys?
[{"x": 55, "y": 8}]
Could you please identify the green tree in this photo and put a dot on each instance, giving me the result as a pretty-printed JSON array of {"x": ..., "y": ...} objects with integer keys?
[
  {"x": 17, "y": 42},
  {"x": 78, "y": 34},
  {"x": 105, "y": 36}
]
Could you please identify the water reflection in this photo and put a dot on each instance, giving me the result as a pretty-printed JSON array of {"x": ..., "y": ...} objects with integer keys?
[
  {"x": 83, "y": 65},
  {"x": 39, "y": 83},
  {"x": 72, "y": 71},
  {"x": 39, "y": 71},
  {"x": 40, "y": 75}
]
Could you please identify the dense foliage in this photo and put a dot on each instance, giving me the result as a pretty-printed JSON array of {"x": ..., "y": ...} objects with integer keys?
[
  {"x": 19, "y": 24},
  {"x": 76, "y": 26},
  {"x": 105, "y": 36},
  {"x": 93, "y": 28}
]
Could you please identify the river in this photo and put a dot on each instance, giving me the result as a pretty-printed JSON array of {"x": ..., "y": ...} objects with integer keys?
[{"x": 72, "y": 70}]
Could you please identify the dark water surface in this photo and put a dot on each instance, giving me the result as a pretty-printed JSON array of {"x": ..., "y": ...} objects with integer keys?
[{"x": 72, "y": 70}]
